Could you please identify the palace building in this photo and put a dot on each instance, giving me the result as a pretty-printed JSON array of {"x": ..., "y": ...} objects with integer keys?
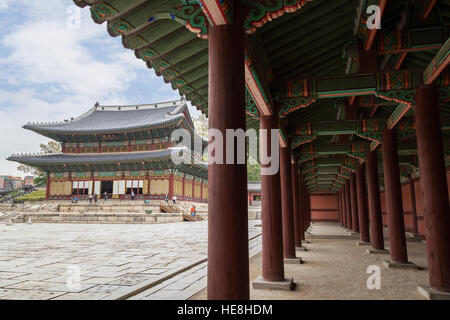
[{"x": 120, "y": 149}]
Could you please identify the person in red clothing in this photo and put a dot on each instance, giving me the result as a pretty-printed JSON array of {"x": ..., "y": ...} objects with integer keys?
[{"x": 193, "y": 213}]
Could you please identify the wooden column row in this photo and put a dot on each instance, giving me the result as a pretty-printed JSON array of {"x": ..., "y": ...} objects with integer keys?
[
  {"x": 434, "y": 188},
  {"x": 228, "y": 265}
]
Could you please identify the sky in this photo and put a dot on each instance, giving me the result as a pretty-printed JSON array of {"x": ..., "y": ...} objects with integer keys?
[{"x": 56, "y": 63}]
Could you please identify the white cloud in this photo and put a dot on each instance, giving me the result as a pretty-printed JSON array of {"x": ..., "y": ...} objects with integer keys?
[
  {"x": 46, "y": 52},
  {"x": 50, "y": 73},
  {"x": 4, "y": 4}
]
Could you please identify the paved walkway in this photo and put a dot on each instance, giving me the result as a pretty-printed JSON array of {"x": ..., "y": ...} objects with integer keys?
[
  {"x": 335, "y": 267},
  {"x": 71, "y": 261}
]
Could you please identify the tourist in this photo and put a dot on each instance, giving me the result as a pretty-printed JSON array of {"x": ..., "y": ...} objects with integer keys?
[
  {"x": 174, "y": 200},
  {"x": 105, "y": 196},
  {"x": 90, "y": 198},
  {"x": 193, "y": 212},
  {"x": 132, "y": 194},
  {"x": 167, "y": 199},
  {"x": 95, "y": 198}
]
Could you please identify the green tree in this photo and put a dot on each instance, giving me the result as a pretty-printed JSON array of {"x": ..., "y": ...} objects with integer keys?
[
  {"x": 201, "y": 125},
  {"x": 50, "y": 147},
  {"x": 40, "y": 179},
  {"x": 253, "y": 170}
]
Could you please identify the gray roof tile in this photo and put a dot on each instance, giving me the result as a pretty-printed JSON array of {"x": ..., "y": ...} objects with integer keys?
[
  {"x": 61, "y": 158},
  {"x": 107, "y": 119}
]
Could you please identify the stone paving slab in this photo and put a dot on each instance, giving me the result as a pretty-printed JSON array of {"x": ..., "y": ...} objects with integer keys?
[
  {"x": 190, "y": 282},
  {"x": 110, "y": 261}
]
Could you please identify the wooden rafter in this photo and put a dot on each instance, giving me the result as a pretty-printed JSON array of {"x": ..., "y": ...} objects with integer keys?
[
  {"x": 215, "y": 12},
  {"x": 438, "y": 64},
  {"x": 428, "y": 8}
]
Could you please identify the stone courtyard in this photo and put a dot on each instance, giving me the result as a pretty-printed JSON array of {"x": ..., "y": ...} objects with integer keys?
[{"x": 106, "y": 261}]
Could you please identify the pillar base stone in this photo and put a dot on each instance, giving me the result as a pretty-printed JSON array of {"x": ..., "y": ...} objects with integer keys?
[
  {"x": 363, "y": 243},
  {"x": 377, "y": 251},
  {"x": 432, "y": 294},
  {"x": 300, "y": 248},
  {"x": 287, "y": 284},
  {"x": 414, "y": 235},
  {"x": 397, "y": 265},
  {"x": 293, "y": 261},
  {"x": 413, "y": 239}
]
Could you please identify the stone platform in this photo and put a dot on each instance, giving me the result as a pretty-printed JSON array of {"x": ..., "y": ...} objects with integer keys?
[{"x": 100, "y": 218}]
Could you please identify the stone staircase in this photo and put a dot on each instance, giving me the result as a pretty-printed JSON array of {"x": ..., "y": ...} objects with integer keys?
[
  {"x": 254, "y": 212},
  {"x": 109, "y": 211}
]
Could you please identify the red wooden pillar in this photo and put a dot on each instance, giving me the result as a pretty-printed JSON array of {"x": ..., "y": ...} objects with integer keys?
[
  {"x": 272, "y": 234},
  {"x": 373, "y": 192},
  {"x": 434, "y": 186},
  {"x": 354, "y": 203},
  {"x": 344, "y": 217},
  {"x": 348, "y": 205},
  {"x": 201, "y": 191},
  {"x": 310, "y": 210},
  {"x": 47, "y": 187},
  {"x": 171, "y": 189},
  {"x": 228, "y": 264},
  {"x": 304, "y": 207},
  {"x": 341, "y": 192},
  {"x": 393, "y": 192},
  {"x": 286, "y": 204},
  {"x": 296, "y": 204},
  {"x": 301, "y": 206},
  {"x": 362, "y": 205},
  {"x": 338, "y": 208},
  {"x": 341, "y": 217},
  {"x": 344, "y": 212},
  {"x": 415, "y": 227},
  {"x": 184, "y": 194}
]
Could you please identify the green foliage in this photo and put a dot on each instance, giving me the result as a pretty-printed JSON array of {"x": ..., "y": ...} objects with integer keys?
[
  {"x": 201, "y": 125},
  {"x": 253, "y": 170},
  {"x": 40, "y": 179},
  {"x": 33, "y": 196},
  {"x": 50, "y": 147},
  {"x": 27, "y": 170}
]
